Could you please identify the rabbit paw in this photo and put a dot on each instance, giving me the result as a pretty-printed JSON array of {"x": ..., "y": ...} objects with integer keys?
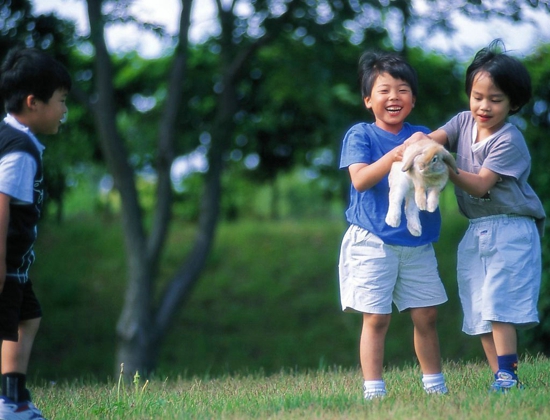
[
  {"x": 414, "y": 227},
  {"x": 433, "y": 202},
  {"x": 393, "y": 218}
]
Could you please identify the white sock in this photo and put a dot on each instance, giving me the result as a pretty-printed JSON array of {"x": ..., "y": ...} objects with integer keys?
[
  {"x": 374, "y": 386},
  {"x": 433, "y": 380}
]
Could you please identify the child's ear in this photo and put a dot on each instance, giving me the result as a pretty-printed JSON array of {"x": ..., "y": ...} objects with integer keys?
[
  {"x": 30, "y": 101},
  {"x": 366, "y": 100}
]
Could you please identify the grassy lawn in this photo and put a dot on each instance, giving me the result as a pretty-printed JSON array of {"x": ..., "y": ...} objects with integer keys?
[{"x": 332, "y": 393}]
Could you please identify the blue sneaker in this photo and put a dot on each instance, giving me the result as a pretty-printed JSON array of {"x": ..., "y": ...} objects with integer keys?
[
  {"x": 26, "y": 410},
  {"x": 505, "y": 382}
]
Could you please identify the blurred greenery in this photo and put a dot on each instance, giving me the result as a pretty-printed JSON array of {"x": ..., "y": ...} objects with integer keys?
[{"x": 268, "y": 299}]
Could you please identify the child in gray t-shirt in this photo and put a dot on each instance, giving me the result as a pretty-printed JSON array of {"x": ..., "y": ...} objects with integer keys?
[{"x": 499, "y": 258}]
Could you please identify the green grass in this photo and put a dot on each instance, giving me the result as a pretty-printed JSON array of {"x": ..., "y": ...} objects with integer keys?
[{"x": 331, "y": 393}]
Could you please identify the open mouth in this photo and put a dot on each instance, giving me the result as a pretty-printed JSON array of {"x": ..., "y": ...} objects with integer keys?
[
  {"x": 393, "y": 110},
  {"x": 484, "y": 117}
]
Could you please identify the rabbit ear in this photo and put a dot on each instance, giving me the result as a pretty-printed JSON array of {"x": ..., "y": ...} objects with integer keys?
[
  {"x": 450, "y": 161},
  {"x": 408, "y": 163}
]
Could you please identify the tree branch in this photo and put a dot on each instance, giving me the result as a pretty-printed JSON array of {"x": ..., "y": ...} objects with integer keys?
[{"x": 167, "y": 137}]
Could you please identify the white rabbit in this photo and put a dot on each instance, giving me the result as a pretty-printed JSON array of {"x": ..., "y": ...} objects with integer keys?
[{"x": 418, "y": 180}]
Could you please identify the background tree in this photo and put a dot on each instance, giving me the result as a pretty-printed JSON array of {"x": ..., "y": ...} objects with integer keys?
[
  {"x": 143, "y": 324},
  {"x": 138, "y": 328}
]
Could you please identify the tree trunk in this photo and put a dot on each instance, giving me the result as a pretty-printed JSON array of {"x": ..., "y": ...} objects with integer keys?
[
  {"x": 138, "y": 337},
  {"x": 134, "y": 325},
  {"x": 141, "y": 327}
]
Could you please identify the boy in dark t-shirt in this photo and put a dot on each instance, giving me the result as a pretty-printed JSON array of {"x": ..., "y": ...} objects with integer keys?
[{"x": 34, "y": 88}]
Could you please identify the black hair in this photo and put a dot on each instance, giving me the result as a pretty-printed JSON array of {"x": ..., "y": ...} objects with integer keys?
[
  {"x": 29, "y": 71},
  {"x": 507, "y": 73},
  {"x": 372, "y": 64}
]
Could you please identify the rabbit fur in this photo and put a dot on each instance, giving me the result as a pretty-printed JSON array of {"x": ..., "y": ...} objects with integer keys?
[{"x": 418, "y": 180}]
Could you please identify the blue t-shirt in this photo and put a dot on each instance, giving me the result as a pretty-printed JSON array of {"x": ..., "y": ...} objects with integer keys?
[{"x": 366, "y": 143}]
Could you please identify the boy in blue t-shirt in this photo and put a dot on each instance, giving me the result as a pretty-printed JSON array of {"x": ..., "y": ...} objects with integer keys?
[
  {"x": 34, "y": 88},
  {"x": 380, "y": 264}
]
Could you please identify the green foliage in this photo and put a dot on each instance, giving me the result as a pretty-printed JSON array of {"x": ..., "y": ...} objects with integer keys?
[
  {"x": 535, "y": 118},
  {"x": 440, "y": 88},
  {"x": 327, "y": 393}
]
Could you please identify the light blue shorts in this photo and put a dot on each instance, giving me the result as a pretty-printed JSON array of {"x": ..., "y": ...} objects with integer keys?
[
  {"x": 499, "y": 273},
  {"x": 373, "y": 274}
]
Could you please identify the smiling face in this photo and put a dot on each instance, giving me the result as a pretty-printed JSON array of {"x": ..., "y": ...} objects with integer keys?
[
  {"x": 489, "y": 105},
  {"x": 46, "y": 117},
  {"x": 391, "y": 101}
]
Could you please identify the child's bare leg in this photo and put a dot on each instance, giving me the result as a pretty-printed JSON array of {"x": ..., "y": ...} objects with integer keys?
[
  {"x": 505, "y": 338},
  {"x": 426, "y": 340},
  {"x": 373, "y": 336},
  {"x": 15, "y": 361},
  {"x": 501, "y": 349},
  {"x": 16, "y": 354},
  {"x": 490, "y": 351},
  {"x": 502, "y": 341}
]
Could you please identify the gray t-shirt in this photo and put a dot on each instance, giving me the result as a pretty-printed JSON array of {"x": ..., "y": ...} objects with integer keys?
[{"x": 504, "y": 153}]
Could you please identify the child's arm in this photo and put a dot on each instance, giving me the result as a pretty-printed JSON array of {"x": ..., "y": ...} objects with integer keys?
[
  {"x": 439, "y": 136},
  {"x": 476, "y": 185},
  {"x": 4, "y": 220},
  {"x": 364, "y": 176}
]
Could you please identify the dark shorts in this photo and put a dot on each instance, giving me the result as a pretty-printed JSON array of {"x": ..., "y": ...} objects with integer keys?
[{"x": 17, "y": 303}]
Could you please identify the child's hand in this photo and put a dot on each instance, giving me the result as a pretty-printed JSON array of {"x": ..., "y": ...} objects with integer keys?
[
  {"x": 415, "y": 137},
  {"x": 397, "y": 153}
]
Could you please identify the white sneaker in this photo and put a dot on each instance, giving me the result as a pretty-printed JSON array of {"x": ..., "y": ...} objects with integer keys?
[
  {"x": 373, "y": 394},
  {"x": 437, "y": 390},
  {"x": 25, "y": 410}
]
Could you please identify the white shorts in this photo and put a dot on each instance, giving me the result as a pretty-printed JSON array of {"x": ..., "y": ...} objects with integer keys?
[
  {"x": 499, "y": 273},
  {"x": 373, "y": 274}
]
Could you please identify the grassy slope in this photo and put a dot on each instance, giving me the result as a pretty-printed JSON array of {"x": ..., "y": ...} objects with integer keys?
[{"x": 267, "y": 300}]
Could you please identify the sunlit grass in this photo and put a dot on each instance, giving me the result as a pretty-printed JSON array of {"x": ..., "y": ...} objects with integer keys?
[{"x": 324, "y": 394}]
